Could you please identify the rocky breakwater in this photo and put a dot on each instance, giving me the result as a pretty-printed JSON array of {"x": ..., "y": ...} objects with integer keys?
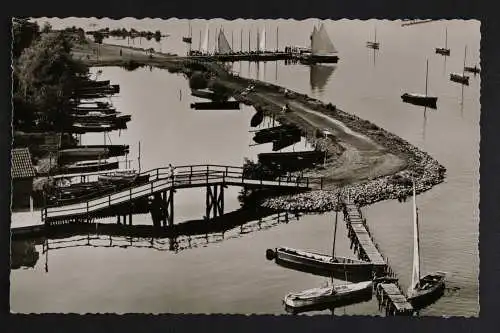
[{"x": 420, "y": 166}]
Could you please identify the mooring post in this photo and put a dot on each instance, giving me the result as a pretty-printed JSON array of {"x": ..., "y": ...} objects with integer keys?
[
  {"x": 214, "y": 202},
  {"x": 171, "y": 208}
]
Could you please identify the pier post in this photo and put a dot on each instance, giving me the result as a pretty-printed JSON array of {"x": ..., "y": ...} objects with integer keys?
[{"x": 214, "y": 201}]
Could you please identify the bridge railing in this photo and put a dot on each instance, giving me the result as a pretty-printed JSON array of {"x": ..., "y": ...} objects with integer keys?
[{"x": 163, "y": 178}]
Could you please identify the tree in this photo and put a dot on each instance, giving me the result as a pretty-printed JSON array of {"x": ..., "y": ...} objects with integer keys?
[
  {"x": 46, "y": 27},
  {"x": 47, "y": 75},
  {"x": 24, "y": 33}
]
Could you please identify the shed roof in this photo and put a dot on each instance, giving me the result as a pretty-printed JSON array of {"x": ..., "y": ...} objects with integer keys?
[{"x": 22, "y": 167}]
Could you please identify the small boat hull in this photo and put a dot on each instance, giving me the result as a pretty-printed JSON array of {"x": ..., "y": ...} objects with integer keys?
[
  {"x": 473, "y": 70},
  {"x": 319, "y": 59},
  {"x": 427, "y": 101},
  {"x": 320, "y": 264},
  {"x": 235, "y": 105},
  {"x": 257, "y": 119},
  {"x": 90, "y": 167},
  {"x": 431, "y": 287},
  {"x": 442, "y": 51},
  {"x": 373, "y": 45},
  {"x": 463, "y": 79},
  {"x": 333, "y": 295}
]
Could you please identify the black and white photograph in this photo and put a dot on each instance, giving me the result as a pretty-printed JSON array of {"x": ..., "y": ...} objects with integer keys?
[{"x": 248, "y": 166}]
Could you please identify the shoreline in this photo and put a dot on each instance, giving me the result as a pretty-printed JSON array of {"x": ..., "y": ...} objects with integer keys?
[{"x": 396, "y": 160}]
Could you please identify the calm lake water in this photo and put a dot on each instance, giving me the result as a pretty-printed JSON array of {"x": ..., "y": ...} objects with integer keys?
[{"x": 231, "y": 275}]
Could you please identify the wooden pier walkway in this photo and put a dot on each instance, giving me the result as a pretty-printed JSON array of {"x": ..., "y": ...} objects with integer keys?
[
  {"x": 390, "y": 296},
  {"x": 162, "y": 184}
]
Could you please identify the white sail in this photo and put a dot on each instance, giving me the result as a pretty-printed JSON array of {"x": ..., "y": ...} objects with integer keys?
[
  {"x": 321, "y": 43},
  {"x": 314, "y": 33},
  {"x": 204, "y": 45},
  {"x": 415, "y": 277},
  {"x": 262, "y": 40},
  {"x": 223, "y": 46}
]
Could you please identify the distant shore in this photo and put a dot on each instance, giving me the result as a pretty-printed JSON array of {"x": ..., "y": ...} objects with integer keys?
[{"x": 367, "y": 162}]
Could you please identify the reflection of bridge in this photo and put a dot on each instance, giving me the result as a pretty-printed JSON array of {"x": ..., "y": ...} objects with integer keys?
[
  {"x": 113, "y": 236},
  {"x": 161, "y": 187}
]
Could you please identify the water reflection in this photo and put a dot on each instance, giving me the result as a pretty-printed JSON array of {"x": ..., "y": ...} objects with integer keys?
[
  {"x": 23, "y": 254},
  {"x": 319, "y": 76},
  {"x": 183, "y": 236}
]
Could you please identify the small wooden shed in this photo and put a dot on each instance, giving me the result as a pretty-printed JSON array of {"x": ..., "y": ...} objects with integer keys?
[{"x": 23, "y": 172}]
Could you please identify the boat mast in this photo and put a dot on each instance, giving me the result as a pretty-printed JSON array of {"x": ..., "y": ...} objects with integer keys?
[
  {"x": 426, "y": 77},
  {"x": 375, "y": 35},
  {"x": 241, "y": 41},
  {"x": 416, "y": 249},
  {"x": 465, "y": 56},
  {"x": 199, "y": 43},
  {"x": 446, "y": 39},
  {"x": 335, "y": 229},
  {"x": 277, "y": 39}
]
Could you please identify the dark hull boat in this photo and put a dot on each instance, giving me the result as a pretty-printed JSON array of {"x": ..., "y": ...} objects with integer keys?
[
  {"x": 475, "y": 70},
  {"x": 445, "y": 51},
  {"x": 208, "y": 95},
  {"x": 421, "y": 99},
  {"x": 320, "y": 264},
  {"x": 322, "y": 49},
  {"x": 428, "y": 290},
  {"x": 231, "y": 105},
  {"x": 319, "y": 59},
  {"x": 80, "y": 127},
  {"x": 418, "y": 99},
  {"x": 187, "y": 40},
  {"x": 92, "y": 115},
  {"x": 423, "y": 290},
  {"x": 373, "y": 45},
  {"x": 459, "y": 78},
  {"x": 92, "y": 83},
  {"x": 442, "y": 51},
  {"x": 88, "y": 166},
  {"x": 257, "y": 119}
]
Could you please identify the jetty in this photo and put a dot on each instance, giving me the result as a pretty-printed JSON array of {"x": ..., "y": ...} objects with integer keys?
[{"x": 390, "y": 295}]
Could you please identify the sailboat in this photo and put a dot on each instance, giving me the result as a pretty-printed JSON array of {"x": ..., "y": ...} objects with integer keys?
[
  {"x": 223, "y": 46},
  {"x": 475, "y": 70},
  {"x": 461, "y": 78},
  {"x": 331, "y": 295},
  {"x": 422, "y": 290},
  {"x": 322, "y": 49},
  {"x": 189, "y": 38},
  {"x": 444, "y": 50},
  {"x": 420, "y": 99},
  {"x": 262, "y": 41},
  {"x": 204, "y": 45},
  {"x": 374, "y": 45}
]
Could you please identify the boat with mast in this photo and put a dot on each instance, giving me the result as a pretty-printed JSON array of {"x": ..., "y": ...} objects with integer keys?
[
  {"x": 189, "y": 38},
  {"x": 421, "y": 99},
  {"x": 373, "y": 45},
  {"x": 422, "y": 290},
  {"x": 333, "y": 295},
  {"x": 444, "y": 50},
  {"x": 461, "y": 78},
  {"x": 322, "y": 48}
]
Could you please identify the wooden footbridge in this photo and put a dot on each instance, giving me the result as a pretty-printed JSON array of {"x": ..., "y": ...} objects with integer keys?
[{"x": 160, "y": 188}]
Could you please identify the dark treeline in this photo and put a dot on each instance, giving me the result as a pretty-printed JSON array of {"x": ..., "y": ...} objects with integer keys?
[
  {"x": 45, "y": 74},
  {"x": 124, "y": 33}
]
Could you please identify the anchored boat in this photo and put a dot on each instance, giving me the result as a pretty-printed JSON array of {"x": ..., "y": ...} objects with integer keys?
[
  {"x": 444, "y": 50},
  {"x": 461, "y": 78},
  {"x": 421, "y": 99},
  {"x": 426, "y": 289},
  {"x": 373, "y": 45},
  {"x": 475, "y": 70},
  {"x": 332, "y": 295},
  {"x": 322, "y": 49},
  {"x": 312, "y": 261}
]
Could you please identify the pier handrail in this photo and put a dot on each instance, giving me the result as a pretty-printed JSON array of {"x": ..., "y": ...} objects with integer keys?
[{"x": 162, "y": 179}]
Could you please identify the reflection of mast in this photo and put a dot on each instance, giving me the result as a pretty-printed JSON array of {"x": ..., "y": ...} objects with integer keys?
[
  {"x": 425, "y": 124},
  {"x": 462, "y": 103}
]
